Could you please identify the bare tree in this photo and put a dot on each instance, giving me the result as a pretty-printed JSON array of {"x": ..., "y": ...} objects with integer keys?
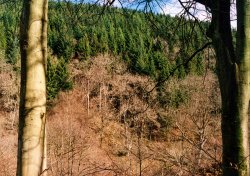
[{"x": 233, "y": 71}]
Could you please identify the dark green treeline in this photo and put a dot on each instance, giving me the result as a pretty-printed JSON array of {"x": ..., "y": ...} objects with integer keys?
[{"x": 151, "y": 44}]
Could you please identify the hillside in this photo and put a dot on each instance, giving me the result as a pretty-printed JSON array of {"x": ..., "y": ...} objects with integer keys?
[
  {"x": 123, "y": 96},
  {"x": 106, "y": 125},
  {"x": 151, "y": 44}
]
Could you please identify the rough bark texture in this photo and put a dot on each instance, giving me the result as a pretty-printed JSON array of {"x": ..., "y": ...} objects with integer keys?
[
  {"x": 33, "y": 44},
  {"x": 233, "y": 69},
  {"x": 243, "y": 60}
]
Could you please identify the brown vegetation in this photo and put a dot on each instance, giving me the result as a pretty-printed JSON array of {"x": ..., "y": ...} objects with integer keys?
[{"x": 109, "y": 125}]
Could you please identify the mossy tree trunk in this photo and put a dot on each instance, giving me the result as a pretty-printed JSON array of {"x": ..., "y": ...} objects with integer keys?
[
  {"x": 33, "y": 44},
  {"x": 233, "y": 69}
]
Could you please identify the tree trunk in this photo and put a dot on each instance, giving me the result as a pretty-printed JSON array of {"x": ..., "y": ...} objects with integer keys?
[
  {"x": 233, "y": 69},
  {"x": 33, "y": 44}
]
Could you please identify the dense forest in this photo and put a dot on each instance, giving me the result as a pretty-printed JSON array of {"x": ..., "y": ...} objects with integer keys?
[
  {"x": 129, "y": 92},
  {"x": 147, "y": 93},
  {"x": 151, "y": 44}
]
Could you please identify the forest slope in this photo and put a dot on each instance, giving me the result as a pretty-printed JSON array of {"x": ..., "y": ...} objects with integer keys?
[
  {"x": 105, "y": 114},
  {"x": 121, "y": 131}
]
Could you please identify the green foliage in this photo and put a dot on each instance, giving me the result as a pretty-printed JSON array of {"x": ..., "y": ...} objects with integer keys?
[
  {"x": 200, "y": 66},
  {"x": 83, "y": 47},
  {"x": 60, "y": 37},
  {"x": 2, "y": 38},
  {"x": 11, "y": 38},
  {"x": 57, "y": 78},
  {"x": 142, "y": 65},
  {"x": 121, "y": 41},
  {"x": 61, "y": 44},
  {"x": 162, "y": 64},
  {"x": 103, "y": 41},
  {"x": 181, "y": 71},
  {"x": 173, "y": 98},
  {"x": 178, "y": 97},
  {"x": 166, "y": 123},
  {"x": 94, "y": 43},
  {"x": 147, "y": 49}
]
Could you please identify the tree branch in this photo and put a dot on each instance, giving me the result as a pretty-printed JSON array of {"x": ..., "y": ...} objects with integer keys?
[
  {"x": 182, "y": 64},
  {"x": 206, "y": 3}
]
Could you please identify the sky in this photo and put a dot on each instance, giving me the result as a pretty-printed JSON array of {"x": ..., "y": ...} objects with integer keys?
[
  {"x": 173, "y": 8},
  {"x": 170, "y": 7}
]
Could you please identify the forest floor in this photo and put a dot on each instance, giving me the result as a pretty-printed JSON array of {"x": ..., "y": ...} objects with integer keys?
[{"x": 109, "y": 124}]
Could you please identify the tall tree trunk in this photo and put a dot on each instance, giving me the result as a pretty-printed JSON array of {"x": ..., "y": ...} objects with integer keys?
[
  {"x": 33, "y": 44},
  {"x": 243, "y": 60},
  {"x": 233, "y": 69}
]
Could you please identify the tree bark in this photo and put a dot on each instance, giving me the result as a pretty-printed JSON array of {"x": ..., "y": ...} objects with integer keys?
[
  {"x": 33, "y": 45},
  {"x": 233, "y": 69}
]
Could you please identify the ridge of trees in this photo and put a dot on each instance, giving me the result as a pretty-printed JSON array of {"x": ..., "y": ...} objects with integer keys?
[
  {"x": 232, "y": 64},
  {"x": 150, "y": 48},
  {"x": 151, "y": 44}
]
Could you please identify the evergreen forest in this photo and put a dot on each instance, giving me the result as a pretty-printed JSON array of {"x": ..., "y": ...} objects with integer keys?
[
  {"x": 151, "y": 44},
  {"x": 129, "y": 92}
]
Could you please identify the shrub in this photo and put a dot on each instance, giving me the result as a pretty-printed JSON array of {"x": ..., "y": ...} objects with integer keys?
[
  {"x": 178, "y": 97},
  {"x": 162, "y": 65},
  {"x": 175, "y": 98}
]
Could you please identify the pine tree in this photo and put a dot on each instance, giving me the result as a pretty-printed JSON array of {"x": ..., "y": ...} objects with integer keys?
[{"x": 121, "y": 40}]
